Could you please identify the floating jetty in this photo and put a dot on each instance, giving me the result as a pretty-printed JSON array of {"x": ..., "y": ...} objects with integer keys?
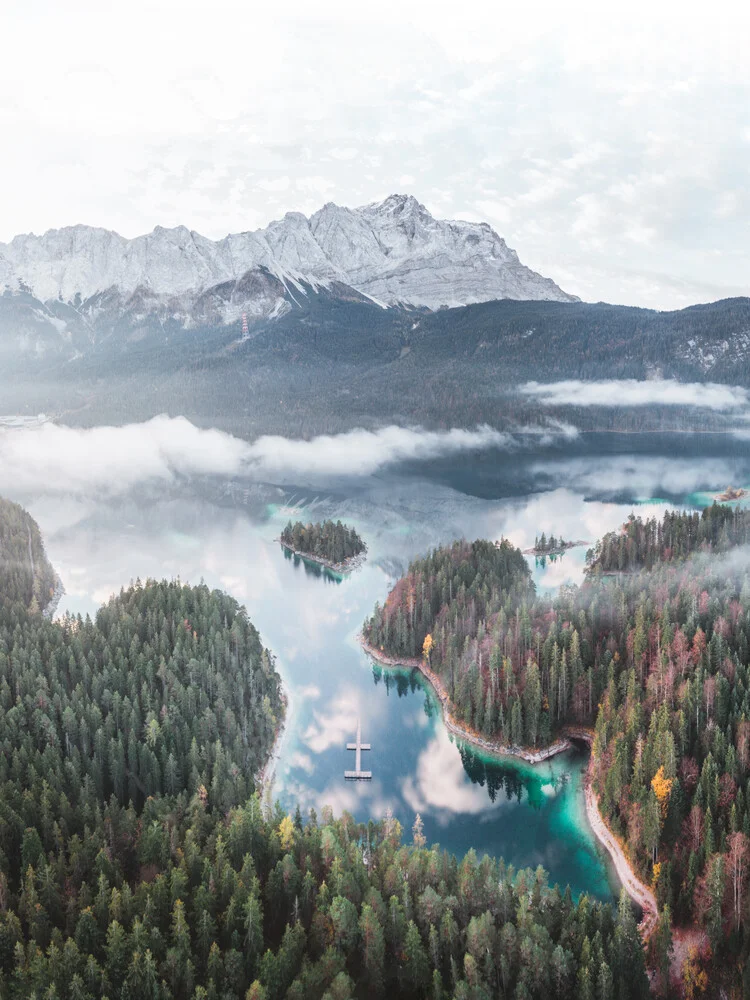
[{"x": 358, "y": 774}]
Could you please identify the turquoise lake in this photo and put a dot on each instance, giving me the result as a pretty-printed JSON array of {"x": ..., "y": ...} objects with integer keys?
[{"x": 225, "y": 533}]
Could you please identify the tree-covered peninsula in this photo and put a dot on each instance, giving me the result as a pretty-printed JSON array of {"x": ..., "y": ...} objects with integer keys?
[
  {"x": 641, "y": 544},
  {"x": 330, "y": 543},
  {"x": 137, "y": 861},
  {"x": 656, "y": 660}
]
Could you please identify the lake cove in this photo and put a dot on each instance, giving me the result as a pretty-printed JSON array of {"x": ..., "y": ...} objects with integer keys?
[{"x": 225, "y": 534}]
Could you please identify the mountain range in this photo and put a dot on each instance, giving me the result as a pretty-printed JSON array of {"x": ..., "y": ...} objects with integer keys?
[
  {"x": 393, "y": 252},
  {"x": 354, "y": 316}
]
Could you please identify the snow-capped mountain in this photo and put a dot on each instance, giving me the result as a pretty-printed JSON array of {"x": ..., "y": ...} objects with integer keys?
[{"x": 393, "y": 252}]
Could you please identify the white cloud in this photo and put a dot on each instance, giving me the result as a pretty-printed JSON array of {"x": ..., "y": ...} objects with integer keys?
[
  {"x": 440, "y": 786},
  {"x": 54, "y": 458},
  {"x": 333, "y": 727},
  {"x": 361, "y": 452},
  {"x": 303, "y": 761},
  {"x": 110, "y": 460},
  {"x": 343, "y": 152},
  {"x": 274, "y": 184},
  {"x": 631, "y": 392}
]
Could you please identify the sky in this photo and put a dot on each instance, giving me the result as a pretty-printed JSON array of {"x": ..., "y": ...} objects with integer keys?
[{"x": 610, "y": 147}]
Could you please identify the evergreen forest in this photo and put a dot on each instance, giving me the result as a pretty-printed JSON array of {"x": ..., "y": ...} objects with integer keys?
[{"x": 25, "y": 572}]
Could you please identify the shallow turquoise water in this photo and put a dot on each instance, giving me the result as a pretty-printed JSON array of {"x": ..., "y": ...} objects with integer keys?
[{"x": 705, "y": 499}]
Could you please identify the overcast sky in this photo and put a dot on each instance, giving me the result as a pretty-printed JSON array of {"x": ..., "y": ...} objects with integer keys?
[{"x": 611, "y": 150}]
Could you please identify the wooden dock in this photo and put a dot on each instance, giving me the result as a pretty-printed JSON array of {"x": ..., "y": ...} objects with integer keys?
[{"x": 358, "y": 774}]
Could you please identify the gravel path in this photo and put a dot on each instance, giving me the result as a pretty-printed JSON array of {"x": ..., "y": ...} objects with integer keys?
[{"x": 636, "y": 889}]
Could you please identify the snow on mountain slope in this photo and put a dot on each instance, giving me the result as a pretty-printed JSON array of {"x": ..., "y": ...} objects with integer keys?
[
  {"x": 397, "y": 252},
  {"x": 393, "y": 251}
]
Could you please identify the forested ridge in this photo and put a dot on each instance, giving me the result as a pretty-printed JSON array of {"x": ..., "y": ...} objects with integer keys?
[
  {"x": 329, "y": 540},
  {"x": 656, "y": 659},
  {"x": 138, "y": 863},
  {"x": 26, "y": 575},
  {"x": 193, "y": 903},
  {"x": 329, "y": 365}
]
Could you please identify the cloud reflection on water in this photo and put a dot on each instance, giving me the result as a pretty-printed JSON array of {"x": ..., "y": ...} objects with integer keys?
[
  {"x": 440, "y": 786},
  {"x": 636, "y": 476},
  {"x": 309, "y": 625}
]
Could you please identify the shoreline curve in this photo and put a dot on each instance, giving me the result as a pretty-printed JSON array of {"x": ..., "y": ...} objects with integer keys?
[
  {"x": 635, "y": 888},
  {"x": 467, "y": 735}
]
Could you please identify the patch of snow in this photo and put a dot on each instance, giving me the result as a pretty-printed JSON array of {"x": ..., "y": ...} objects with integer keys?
[{"x": 709, "y": 352}]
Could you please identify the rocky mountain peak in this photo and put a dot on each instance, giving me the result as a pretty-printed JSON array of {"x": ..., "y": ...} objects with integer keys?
[{"x": 394, "y": 251}]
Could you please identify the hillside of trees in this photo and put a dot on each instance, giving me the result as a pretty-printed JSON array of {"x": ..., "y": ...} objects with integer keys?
[
  {"x": 330, "y": 541},
  {"x": 330, "y": 364},
  {"x": 658, "y": 661},
  {"x": 454, "y": 595},
  {"x": 26, "y": 576},
  {"x": 190, "y": 903}
]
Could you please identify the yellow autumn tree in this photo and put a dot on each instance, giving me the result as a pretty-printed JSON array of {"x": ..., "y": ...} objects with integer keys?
[
  {"x": 286, "y": 833},
  {"x": 427, "y": 647},
  {"x": 656, "y": 873},
  {"x": 662, "y": 787},
  {"x": 694, "y": 978}
]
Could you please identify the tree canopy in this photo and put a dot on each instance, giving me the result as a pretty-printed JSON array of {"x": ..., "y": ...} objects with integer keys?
[{"x": 26, "y": 576}]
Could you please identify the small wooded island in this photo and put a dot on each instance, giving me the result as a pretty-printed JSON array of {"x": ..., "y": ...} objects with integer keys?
[
  {"x": 730, "y": 494},
  {"x": 330, "y": 543},
  {"x": 552, "y": 546}
]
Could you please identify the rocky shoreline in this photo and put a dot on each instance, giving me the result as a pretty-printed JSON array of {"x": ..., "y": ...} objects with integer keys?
[
  {"x": 342, "y": 568},
  {"x": 265, "y": 777},
  {"x": 638, "y": 891},
  {"x": 51, "y": 608}
]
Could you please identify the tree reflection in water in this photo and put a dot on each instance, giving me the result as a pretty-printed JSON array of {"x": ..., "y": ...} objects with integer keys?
[
  {"x": 311, "y": 567},
  {"x": 515, "y": 778}
]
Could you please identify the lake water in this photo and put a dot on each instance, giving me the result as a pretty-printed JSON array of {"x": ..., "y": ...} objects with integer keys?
[{"x": 224, "y": 533}]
